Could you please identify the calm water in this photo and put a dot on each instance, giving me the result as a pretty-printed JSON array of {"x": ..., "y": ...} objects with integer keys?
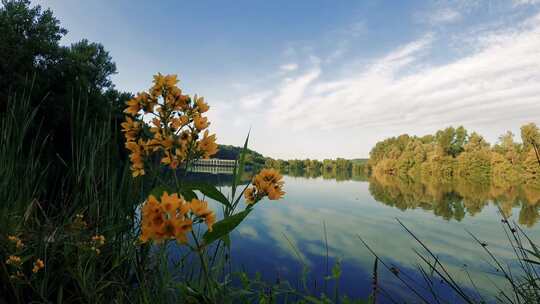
[{"x": 439, "y": 215}]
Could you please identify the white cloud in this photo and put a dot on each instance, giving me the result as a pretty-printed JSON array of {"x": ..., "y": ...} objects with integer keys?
[
  {"x": 499, "y": 83},
  {"x": 254, "y": 100},
  {"x": 525, "y": 2},
  {"x": 289, "y": 67},
  {"x": 444, "y": 15}
]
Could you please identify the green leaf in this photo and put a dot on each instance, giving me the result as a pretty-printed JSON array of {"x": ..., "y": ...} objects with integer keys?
[
  {"x": 336, "y": 270},
  {"x": 531, "y": 261},
  {"x": 60, "y": 296},
  {"x": 239, "y": 167},
  {"x": 226, "y": 240},
  {"x": 224, "y": 227},
  {"x": 208, "y": 190},
  {"x": 188, "y": 194},
  {"x": 242, "y": 162},
  {"x": 312, "y": 299},
  {"x": 146, "y": 131}
]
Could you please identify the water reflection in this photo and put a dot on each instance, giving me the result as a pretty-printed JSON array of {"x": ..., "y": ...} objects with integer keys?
[
  {"x": 353, "y": 205},
  {"x": 439, "y": 215},
  {"x": 451, "y": 201},
  {"x": 338, "y": 175}
]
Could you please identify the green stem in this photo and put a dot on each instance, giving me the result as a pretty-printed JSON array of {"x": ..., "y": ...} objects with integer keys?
[{"x": 200, "y": 253}]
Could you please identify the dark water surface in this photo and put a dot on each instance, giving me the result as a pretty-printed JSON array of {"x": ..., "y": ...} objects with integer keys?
[{"x": 281, "y": 239}]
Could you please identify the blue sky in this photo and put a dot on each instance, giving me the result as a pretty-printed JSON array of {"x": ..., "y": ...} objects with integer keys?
[{"x": 326, "y": 79}]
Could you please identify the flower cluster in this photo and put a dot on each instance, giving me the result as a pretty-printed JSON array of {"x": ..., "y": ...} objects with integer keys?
[
  {"x": 97, "y": 242},
  {"x": 18, "y": 242},
  {"x": 14, "y": 260},
  {"x": 172, "y": 217},
  {"x": 267, "y": 183},
  {"x": 38, "y": 265},
  {"x": 79, "y": 223},
  {"x": 165, "y": 121}
]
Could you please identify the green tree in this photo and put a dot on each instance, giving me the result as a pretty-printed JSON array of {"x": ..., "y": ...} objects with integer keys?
[
  {"x": 532, "y": 169},
  {"x": 28, "y": 44},
  {"x": 59, "y": 76},
  {"x": 452, "y": 140},
  {"x": 530, "y": 135}
]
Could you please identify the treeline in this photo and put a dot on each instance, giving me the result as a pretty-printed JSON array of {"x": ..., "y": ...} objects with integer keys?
[
  {"x": 253, "y": 158},
  {"x": 60, "y": 82},
  {"x": 454, "y": 153},
  {"x": 339, "y": 167}
]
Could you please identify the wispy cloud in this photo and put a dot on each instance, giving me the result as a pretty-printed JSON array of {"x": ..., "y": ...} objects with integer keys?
[
  {"x": 444, "y": 15},
  {"x": 254, "y": 100},
  {"x": 289, "y": 67},
  {"x": 499, "y": 81},
  {"x": 525, "y": 2}
]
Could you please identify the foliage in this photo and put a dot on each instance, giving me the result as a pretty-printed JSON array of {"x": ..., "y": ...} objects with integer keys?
[
  {"x": 63, "y": 80},
  {"x": 340, "y": 168},
  {"x": 80, "y": 229},
  {"x": 72, "y": 216},
  {"x": 523, "y": 283},
  {"x": 455, "y": 153},
  {"x": 174, "y": 136},
  {"x": 253, "y": 158}
]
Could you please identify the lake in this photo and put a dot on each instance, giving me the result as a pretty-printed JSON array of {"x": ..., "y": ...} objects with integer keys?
[{"x": 281, "y": 239}]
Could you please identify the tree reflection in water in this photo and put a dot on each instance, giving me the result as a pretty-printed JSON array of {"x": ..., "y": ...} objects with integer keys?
[
  {"x": 449, "y": 200},
  {"x": 452, "y": 201}
]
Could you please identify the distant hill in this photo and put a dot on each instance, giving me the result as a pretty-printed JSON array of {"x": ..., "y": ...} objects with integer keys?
[{"x": 253, "y": 158}]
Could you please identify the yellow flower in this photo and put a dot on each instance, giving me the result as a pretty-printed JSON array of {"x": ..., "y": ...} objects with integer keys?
[
  {"x": 131, "y": 129},
  {"x": 182, "y": 103},
  {"x": 159, "y": 82},
  {"x": 137, "y": 164},
  {"x": 250, "y": 195},
  {"x": 174, "y": 130},
  {"x": 18, "y": 242},
  {"x": 167, "y": 142},
  {"x": 171, "y": 80},
  {"x": 176, "y": 123},
  {"x": 133, "y": 107},
  {"x": 207, "y": 145},
  {"x": 99, "y": 239},
  {"x": 182, "y": 227},
  {"x": 38, "y": 265},
  {"x": 184, "y": 120},
  {"x": 267, "y": 183},
  {"x": 14, "y": 260},
  {"x": 200, "y": 122},
  {"x": 165, "y": 220},
  {"x": 170, "y": 159},
  {"x": 172, "y": 204},
  {"x": 201, "y": 105},
  {"x": 185, "y": 137},
  {"x": 200, "y": 209},
  {"x": 275, "y": 192}
]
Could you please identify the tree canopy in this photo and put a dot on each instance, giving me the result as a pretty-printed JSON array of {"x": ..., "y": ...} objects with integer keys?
[{"x": 456, "y": 153}]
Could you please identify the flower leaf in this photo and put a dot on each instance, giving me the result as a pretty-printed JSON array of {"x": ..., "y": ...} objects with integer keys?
[
  {"x": 208, "y": 190},
  {"x": 224, "y": 227}
]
